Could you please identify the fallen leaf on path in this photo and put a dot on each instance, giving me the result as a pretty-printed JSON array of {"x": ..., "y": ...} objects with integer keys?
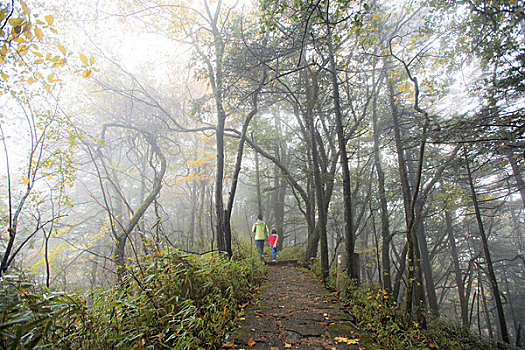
[
  {"x": 229, "y": 344},
  {"x": 346, "y": 340},
  {"x": 251, "y": 343},
  {"x": 287, "y": 346}
]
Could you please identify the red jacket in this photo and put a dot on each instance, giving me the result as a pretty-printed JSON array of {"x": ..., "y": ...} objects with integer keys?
[{"x": 274, "y": 240}]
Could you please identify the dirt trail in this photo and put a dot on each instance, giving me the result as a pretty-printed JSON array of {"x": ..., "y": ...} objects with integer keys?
[{"x": 295, "y": 311}]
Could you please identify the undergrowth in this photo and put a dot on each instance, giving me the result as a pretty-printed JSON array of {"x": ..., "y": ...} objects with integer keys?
[
  {"x": 383, "y": 320},
  {"x": 168, "y": 301}
]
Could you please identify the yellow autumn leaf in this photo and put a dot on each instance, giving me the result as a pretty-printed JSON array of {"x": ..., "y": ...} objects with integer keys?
[
  {"x": 4, "y": 76},
  {"x": 24, "y": 7},
  {"x": 20, "y": 40},
  {"x": 346, "y": 340},
  {"x": 2, "y": 60},
  {"x": 22, "y": 49},
  {"x": 25, "y": 180},
  {"x": 92, "y": 60},
  {"x": 49, "y": 19},
  {"x": 31, "y": 80},
  {"x": 84, "y": 59},
  {"x": 38, "y": 33},
  {"x": 38, "y": 61},
  {"x": 62, "y": 49},
  {"x": 87, "y": 73},
  {"x": 287, "y": 346}
]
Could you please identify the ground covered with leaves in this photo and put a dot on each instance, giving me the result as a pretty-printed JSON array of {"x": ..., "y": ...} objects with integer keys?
[{"x": 295, "y": 311}]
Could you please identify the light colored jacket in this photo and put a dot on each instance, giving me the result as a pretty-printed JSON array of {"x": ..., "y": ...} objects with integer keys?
[{"x": 260, "y": 229}]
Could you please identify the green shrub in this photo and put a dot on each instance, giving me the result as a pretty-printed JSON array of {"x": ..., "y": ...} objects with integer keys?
[
  {"x": 292, "y": 253},
  {"x": 168, "y": 301},
  {"x": 384, "y": 320},
  {"x": 27, "y": 317}
]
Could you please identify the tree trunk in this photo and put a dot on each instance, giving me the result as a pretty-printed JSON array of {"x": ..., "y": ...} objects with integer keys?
[
  {"x": 280, "y": 193},
  {"x": 486, "y": 311},
  {"x": 490, "y": 268},
  {"x": 399, "y": 275},
  {"x": 351, "y": 266},
  {"x": 258, "y": 184},
  {"x": 311, "y": 97},
  {"x": 201, "y": 216},
  {"x": 235, "y": 178},
  {"x": 426, "y": 264},
  {"x": 511, "y": 306},
  {"x": 409, "y": 197},
  {"x": 139, "y": 212},
  {"x": 463, "y": 298},
  {"x": 517, "y": 175},
  {"x": 385, "y": 230},
  {"x": 46, "y": 256}
]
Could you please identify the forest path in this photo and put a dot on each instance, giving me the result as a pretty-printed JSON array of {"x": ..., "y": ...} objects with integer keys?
[{"x": 295, "y": 311}]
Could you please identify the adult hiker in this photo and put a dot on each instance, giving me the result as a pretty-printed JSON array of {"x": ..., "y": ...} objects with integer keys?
[
  {"x": 274, "y": 243},
  {"x": 261, "y": 232}
]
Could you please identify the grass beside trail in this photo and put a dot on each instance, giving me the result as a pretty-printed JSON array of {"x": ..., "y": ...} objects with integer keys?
[{"x": 168, "y": 301}]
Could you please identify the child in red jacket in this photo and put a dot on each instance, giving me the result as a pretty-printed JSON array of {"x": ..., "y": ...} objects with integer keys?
[{"x": 274, "y": 243}]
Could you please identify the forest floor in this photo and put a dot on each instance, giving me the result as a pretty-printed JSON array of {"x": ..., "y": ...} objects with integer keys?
[{"x": 294, "y": 310}]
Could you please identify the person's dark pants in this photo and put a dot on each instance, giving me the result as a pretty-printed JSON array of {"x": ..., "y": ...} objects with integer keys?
[{"x": 259, "y": 243}]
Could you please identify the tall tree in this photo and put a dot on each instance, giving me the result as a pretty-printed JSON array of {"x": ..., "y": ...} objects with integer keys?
[{"x": 490, "y": 267}]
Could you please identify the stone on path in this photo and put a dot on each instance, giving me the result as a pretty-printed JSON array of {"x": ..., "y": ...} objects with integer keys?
[{"x": 295, "y": 311}]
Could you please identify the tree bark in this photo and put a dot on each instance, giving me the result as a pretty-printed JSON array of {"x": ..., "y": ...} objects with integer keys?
[
  {"x": 490, "y": 267},
  {"x": 235, "y": 177},
  {"x": 311, "y": 97},
  {"x": 517, "y": 176},
  {"x": 409, "y": 198},
  {"x": 463, "y": 301},
  {"x": 139, "y": 212},
  {"x": 351, "y": 266},
  {"x": 385, "y": 230}
]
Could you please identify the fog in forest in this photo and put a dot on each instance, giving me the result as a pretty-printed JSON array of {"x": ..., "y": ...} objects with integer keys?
[{"x": 388, "y": 132}]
